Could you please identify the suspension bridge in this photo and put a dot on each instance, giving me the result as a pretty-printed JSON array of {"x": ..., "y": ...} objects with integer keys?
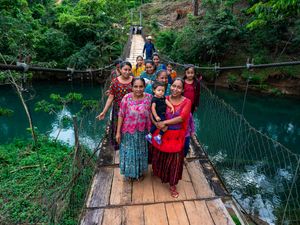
[
  {"x": 229, "y": 157},
  {"x": 113, "y": 200}
]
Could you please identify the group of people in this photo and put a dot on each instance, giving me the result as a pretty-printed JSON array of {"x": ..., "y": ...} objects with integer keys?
[{"x": 152, "y": 118}]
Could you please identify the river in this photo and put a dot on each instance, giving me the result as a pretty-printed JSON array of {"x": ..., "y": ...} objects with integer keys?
[{"x": 277, "y": 117}]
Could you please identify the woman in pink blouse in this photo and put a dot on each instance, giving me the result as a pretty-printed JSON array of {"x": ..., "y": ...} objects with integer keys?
[{"x": 133, "y": 125}]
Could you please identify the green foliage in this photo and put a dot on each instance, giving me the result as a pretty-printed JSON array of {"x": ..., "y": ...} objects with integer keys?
[
  {"x": 257, "y": 77},
  {"x": 165, "y": 40},
  {"x": 232, "y": 79},
  {"x": 204, "y": 38},
  {"x": 78, "y": 33},
  {"x": 32, "y": 177},
  {"x": 6, "y": 112}
]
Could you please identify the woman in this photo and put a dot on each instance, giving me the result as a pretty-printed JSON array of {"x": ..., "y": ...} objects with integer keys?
[
  {"x": 116, "y": 71},
  {"x": 167, "y": 161},
  {"x": 161, "y": 76},
  {"x": 158, "y": 65},
  {"x": 133, "y": 124},
  {"x": 149, "y": 73},
  {"x": 119, "y": 87}
]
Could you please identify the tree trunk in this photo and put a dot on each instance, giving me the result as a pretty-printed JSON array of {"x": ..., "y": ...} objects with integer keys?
[{"x": 195, "y": 7}]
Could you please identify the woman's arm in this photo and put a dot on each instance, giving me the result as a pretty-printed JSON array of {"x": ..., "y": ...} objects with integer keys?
[
  {"x": 118, "y": 133},
  {"x": 172, "y": 121},
  {"x": 106, "y": 107}
]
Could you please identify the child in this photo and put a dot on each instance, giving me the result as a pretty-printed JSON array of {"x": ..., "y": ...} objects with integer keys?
[
  {"x": 159, "y": 105},
  {"x": 191, "y": 86},
  {"x": 190, "y": 132},
  {"x": 171, "y": 73},
  {"x": 139, "y": 67}
]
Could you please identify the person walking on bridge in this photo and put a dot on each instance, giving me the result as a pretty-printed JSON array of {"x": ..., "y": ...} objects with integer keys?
[
  {"x": 149, "y": 48},
  {"x": 167, "y": 159},
  {"x": 133, "y": 124},
  {"x": 119, "y": 87}
]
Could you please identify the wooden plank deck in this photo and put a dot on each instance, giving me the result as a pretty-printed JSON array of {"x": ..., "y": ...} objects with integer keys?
[
  {"x": 136, "y": 49},
  {"x": 112, "y": 200}
]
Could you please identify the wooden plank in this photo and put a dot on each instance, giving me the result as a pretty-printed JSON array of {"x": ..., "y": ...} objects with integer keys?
[
  {"x": 100, "y": 190},
  {"x": 112, "y": 216},
  {"x": 142, "y": 192},
  {"x": 106, "y": 156},
  {"x": 133, "y": 215},
  {"x": 200, "y": 184},
  {"x": 203, "y": 212},
  {"x": 198, "y": 213},
  {"x": 120, "y": 190},
  {"x": 92, "y": 217},
  {"x": 161, "y": 191},
  {"x": 117, "y": 157},
  {"x": 176, "y": 214},
  {"x": 155, "y": 214},
  {"x": 185, "y": 186},
  {"x": 219, "y": 213}
]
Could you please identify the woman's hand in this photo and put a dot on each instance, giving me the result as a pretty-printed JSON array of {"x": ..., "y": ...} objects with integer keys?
[
  {"x": 118, "y": 137},
  {"x": 107, "y": 92},
  {"x": 160, "y": 125},
  {"x": 101, "y": 116}
]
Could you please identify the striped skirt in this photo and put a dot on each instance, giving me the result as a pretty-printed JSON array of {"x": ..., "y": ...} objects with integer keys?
[
  {"x": 134, "y": 154},
  {"x": 167, "y": 166}
]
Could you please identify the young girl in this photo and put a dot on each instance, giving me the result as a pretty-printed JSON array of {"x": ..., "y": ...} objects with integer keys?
[
  {"x": 139, "y": 67},
  {"x": 156, "y": 60},
  {"x": 191, "y": 86},
  {"x": 161, "y": 77},
  {"x": 119, "y": 87},
  {"x": 149, "y": 73},
  {"x": 116, "y": 72},
  {"x": 171, "y": 73},
  {"x": 159, "y": 105}
]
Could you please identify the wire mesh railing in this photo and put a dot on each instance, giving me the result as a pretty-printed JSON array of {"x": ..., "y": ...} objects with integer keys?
[{"x": 261, "y": 174}]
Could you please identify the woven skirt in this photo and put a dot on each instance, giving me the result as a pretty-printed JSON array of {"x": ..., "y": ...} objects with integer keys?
[
  {"x": 133, "y": 154},
  {"x": 167, "y": 166}
]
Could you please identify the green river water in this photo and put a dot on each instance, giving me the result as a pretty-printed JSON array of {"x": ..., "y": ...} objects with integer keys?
[{"x": 278, "y": 117}]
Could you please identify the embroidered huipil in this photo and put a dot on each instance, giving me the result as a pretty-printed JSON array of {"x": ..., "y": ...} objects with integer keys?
[{"x": 135, "y": 113}]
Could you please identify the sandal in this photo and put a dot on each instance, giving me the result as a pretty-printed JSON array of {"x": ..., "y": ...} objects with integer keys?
[{"x": 174, "y": 192}]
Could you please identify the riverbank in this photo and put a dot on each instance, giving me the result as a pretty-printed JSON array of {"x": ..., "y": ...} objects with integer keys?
[{"x": 265, "y": 82}]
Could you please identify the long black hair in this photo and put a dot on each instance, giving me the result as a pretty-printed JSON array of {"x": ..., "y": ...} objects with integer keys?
[
  {"x": 188, "y": 66},
  {"x": 137, "y": 65},
  {"x": 125, "y": 63}
]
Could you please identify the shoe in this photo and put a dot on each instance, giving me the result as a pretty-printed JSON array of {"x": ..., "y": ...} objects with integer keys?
[
  {"x": 149, "y": 138},
  {"x": 158, "y": 139}
]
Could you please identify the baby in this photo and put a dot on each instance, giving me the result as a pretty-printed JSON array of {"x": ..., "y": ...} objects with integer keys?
[{"x": 159, "y": 105}]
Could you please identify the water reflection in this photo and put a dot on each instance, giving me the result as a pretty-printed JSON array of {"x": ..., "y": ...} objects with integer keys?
[{"x": 90, "y": 130}]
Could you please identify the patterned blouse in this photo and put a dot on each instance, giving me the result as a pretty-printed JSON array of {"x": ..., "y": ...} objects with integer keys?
[
  {"x": 137, "y": 71},
  {"x": 135, "y": 113},
  {"x": 118, "y": 90}
]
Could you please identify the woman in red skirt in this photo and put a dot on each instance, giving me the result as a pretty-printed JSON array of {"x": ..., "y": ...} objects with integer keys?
[{"x": 167, "y": 161}]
